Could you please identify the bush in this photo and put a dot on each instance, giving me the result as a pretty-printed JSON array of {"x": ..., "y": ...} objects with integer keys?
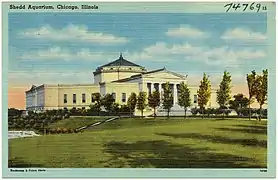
[
  {"x": 64, "y": 130},
  {"x": 52, "y": 131},
  {"x": 36, "y": 126},
  {"x": 124, "y": 108},
  {"x": 28, "y": 126},
  {"x": 264, "y": 112},
  {"x": 58, "y": 130},
  {"x": 67, "y": 116},
  {"x": 70, "y": 130},
  {"x": 194, "y": 111}
]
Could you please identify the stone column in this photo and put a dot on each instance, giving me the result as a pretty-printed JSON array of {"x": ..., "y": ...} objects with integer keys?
[
  {"x": 175, "y": 93},
  {"x": 159, "y": 87},
  {"x": 36, "y": 99},
  {"x": 161, "y": 90}
]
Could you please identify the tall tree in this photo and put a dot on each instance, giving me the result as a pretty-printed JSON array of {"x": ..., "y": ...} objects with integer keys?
[
  {"x": 261, "y": 84},
  {"x": 184, "y": 97},
  {"x": 224, "y": 91},
  {"x": 251, "y": 82},
  {"x": 141, "y": 102},
  {"x": 154, "y": 101},
  {"x": 204, "y": 93},
  {"x": 96, "y": 99},
  {"x": 167, "y": 98},
  {"x": 239, "y": 102},
  {"x": 131, "y": 102},
  {"x": 108, "y": 101}
]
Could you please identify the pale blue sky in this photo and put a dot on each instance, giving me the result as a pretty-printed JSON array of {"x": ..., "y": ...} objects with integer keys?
[{"x": 44, "y": 45}]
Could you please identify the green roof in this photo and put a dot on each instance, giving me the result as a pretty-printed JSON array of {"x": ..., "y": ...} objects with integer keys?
[{"x": 120, "y": 62}]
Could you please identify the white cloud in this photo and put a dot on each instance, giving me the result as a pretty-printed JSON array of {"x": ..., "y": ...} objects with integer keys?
[
  {"x": 226, "y": 57},
  {"x": 179, "y": 49},
  {"x": 187, "y": 31},
  {"x": 219, "y": 56},
  {"x": 241, "y": 34},
  {"x": 57, "y": 53},
  {"x": 73, "y": 33}
]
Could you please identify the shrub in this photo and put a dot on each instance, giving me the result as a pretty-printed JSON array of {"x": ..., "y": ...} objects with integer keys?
[
  {"x": 209, "y": 111},
  {"x": 53, "y": 131},
  {"x": 264, "y": 112},
  {"x": 227, "y": 111},
  {"x": 28, "y": 126},
  {"x": 64, "y": 130},
  {"x": 194, "y": 111},
  {"x": 70, "y": 130},
  {"x": 58, "y": 130},
  {"x": 124, "y": 108},
  {"x": 67, "y": 116},
  {"x": 36, "y": 126}
]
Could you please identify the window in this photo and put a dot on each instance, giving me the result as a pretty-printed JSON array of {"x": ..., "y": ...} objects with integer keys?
[
  {"x": 65, "y": 98},
  {"x": 74, "y": 98},
  {"x": 83, "y": 98},
  {"x": 83, "y": 108},
  {"x": 195, "y": 98},
  {"x": 114, "y": 95},
  {"x": 123, "y": 97}
]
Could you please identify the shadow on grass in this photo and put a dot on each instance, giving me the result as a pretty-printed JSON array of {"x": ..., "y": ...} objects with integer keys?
[
  {"x": 162, "y": 154},
  {"x": 260, "y": 127},
  {"x": 218, "y": 139},
  {"x": 18, "y": 163},
  {"x": 253, "y": 130}
]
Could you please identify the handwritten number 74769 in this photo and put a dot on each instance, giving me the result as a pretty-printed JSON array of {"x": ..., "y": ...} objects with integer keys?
[{"x": 245, "y": 6}]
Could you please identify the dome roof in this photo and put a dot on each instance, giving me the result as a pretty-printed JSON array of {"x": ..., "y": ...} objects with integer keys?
[{"x": 121, "y": 62}]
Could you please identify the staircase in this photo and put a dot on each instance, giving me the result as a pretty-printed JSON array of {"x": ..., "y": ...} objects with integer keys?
[
  {"x": 176, "y": 110},
  {"x": 97, "y": 123}
]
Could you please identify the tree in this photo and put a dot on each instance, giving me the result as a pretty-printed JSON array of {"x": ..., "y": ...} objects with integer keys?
[
  {"x": 141, "y": 102},
  {"x": 261, "y": 93},
  {"x": 154, "y": 101},
  {"x": 167, "y": 98},
  {"x": 14, "y": 112},
  {"x": 239, "y": 103},
  {"x": 131, "y": 102},
  {"x": 96, "y": 99},
  {"x": 204, "y": 93},
  {"x": 115, "y": 108},
  {"x": 184, "y": 97},
  {"x": 251, "y": 82},
  {"x": 108, "y": 101},
  {"x": 224, "y": 91}
]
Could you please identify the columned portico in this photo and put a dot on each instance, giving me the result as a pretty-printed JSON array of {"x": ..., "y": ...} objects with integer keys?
[{"x": 152, "y": 86}]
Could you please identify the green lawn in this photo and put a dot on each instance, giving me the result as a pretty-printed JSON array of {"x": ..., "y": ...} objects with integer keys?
[
  {"x": 173, "y": 143},
  {"x": 76, "y": 122}
]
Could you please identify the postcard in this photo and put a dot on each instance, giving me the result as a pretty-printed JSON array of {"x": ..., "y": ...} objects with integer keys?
[{"x": 143, "y": 89}]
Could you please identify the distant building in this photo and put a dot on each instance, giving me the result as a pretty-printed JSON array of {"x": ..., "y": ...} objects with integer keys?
[{"x": 119, "y": 78}]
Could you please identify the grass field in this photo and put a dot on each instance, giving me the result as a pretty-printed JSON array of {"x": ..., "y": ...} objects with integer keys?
[{"x": 148, "y": 143}]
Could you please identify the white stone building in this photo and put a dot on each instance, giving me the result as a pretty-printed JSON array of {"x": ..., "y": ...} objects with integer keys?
[{"x": 119, "y": 78}]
